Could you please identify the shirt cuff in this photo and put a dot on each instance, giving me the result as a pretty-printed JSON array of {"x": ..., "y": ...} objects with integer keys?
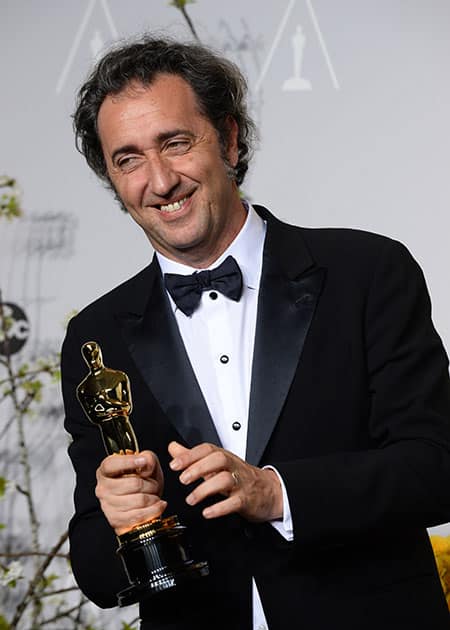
[{"x": 283, "y": 526}]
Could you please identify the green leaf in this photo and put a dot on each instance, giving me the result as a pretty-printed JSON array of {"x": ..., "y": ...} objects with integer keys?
[
  {"x": 6, "y": 324},
  {"x": 3, "y": 483},
  {"x": 126, "y": 626},
  {"x": 48, "y": 580},
  {"x": 22, "y": 371},
  {"x": 69, "y": 316},
  {"x": 9, "y": 200},
  {"x": 4, "y": 625},
  {"x": 34, "y": 388},
  {"x": 180, "y": 4},
  {"x": 6, "y": 181}
]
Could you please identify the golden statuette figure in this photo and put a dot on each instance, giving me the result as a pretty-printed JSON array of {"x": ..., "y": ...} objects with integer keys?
[
  {"x": 155, "y": 555},
  {"x": 105, "y": 396}
]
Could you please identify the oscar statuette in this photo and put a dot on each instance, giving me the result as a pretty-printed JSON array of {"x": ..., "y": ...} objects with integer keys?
[{"x": 155, "y": 554}]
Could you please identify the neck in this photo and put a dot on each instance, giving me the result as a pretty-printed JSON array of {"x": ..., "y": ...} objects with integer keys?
[{"x": 202, "y": 257}]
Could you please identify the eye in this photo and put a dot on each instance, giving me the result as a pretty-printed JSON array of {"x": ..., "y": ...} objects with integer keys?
[
  {"x": 178, "y": 145},
  {"x": 127, "y": 163}
]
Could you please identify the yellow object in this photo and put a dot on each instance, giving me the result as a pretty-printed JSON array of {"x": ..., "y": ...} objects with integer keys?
[{"x": 441, "y": 549}]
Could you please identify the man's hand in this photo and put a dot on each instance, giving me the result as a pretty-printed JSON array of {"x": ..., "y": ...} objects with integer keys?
[
  {"x": 129, "y": 488},
  {"x": 254, "y": 493}
]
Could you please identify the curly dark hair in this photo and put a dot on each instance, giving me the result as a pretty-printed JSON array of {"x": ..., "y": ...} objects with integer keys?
[{"x": 218, "y": 84}]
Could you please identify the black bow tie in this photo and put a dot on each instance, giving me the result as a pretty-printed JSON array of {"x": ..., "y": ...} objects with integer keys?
[{"x": 186, "y": 291}]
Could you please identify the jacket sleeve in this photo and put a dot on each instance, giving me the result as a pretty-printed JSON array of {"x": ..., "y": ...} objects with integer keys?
[{"x": 403, "y": 479}]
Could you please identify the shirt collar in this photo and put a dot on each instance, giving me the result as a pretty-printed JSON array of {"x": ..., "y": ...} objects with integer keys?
[{"x": 246, "y": 248}]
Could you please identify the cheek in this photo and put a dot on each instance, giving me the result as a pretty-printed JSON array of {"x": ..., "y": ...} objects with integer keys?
[
  {"x": 132, "y": 188},
  {"x": 197, "y": 166}
]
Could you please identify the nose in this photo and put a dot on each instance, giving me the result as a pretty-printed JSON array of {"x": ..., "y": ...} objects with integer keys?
[{"x": 162, "y": 178}]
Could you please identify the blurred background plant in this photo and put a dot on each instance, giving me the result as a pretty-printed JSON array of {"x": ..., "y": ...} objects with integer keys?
[
  {"x": 181, "y": 6},
  {"x": 37, "y": 586},
  {"x": 28, "y": 577},
  {"x": 9, "y": 198}
]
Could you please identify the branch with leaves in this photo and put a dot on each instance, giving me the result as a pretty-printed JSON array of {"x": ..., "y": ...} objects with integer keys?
[
  {"x": 181, "y": 6},
  {"x": 21, "y": 389},
  {"x": 9, "y": 198},
  {"x": 29, "y": 585}
]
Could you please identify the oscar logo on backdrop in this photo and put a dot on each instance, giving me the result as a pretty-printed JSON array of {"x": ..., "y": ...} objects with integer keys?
[{"x": 297, "y": 82}]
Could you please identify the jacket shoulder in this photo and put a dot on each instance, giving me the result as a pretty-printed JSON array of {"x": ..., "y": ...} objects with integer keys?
[
  {"x": 120, "y": 297},
  {"x": 346, "y": 241},
  {"x": 359, "y": 253},
  {"x": 337, "y": 242}
]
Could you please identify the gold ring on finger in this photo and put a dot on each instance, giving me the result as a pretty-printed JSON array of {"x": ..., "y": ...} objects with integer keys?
[{"x": 235, "y": 476}]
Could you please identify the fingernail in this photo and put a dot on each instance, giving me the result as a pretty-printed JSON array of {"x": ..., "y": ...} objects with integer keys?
[
  {"x": 185, "y": 477},
  {"x": 140, "y": 461},
  {"x": 207, "y": 512},
  {"x": 175, "y": 464},
  {"x": 190, "y": 499}
]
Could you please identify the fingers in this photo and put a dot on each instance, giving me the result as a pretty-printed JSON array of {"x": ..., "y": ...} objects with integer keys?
[
  {"x": 206, "y": 467},
  {"x": 220, "y": 483},
  {"x": 183, "y": 457},
  {"x": 144, "y": 464},
  {"x": 129, "y": 489},
  {"x": 231, "y": 505},
  {"x": 128, "y": 516},
  {"x": 252, "y": 492},
  {"x": 175, "y": 448},
  {"x": 217, "y": 467},
  {"x": 127, "y": 485}
]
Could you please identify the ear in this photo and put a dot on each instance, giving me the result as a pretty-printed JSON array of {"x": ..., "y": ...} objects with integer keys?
[{"x": 232, "y": 152}]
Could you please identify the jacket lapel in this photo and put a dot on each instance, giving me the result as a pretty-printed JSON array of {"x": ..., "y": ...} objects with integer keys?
[
  {"x": 151, "y": 333},
  {"x": 289, "y": 291}
]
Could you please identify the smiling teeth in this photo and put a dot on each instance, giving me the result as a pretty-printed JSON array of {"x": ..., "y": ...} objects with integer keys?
[{"x": 171, "y": 207}]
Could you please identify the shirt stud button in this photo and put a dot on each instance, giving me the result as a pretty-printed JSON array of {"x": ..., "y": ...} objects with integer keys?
[
  {"x": 213, "y": 295},
  {"x": 236, "y": 426},
  {"x": 224, "y": 358}
]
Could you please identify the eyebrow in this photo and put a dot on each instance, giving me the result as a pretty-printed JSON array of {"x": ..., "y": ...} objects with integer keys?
[{"x": 160, "y": 138}]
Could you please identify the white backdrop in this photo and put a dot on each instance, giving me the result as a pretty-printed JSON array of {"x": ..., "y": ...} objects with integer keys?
[{"x": 354, "y": 127}]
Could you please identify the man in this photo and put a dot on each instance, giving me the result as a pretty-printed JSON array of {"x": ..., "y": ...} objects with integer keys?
[{"x": 301, "y": 427}]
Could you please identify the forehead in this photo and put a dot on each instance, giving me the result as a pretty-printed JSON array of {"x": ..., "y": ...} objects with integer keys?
[{"x": 168, "y": 100}]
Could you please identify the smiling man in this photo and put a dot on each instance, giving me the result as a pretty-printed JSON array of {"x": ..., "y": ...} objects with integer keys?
[
  {"x": 290, "y": 391},
  {"x": 165, "y": 161}
]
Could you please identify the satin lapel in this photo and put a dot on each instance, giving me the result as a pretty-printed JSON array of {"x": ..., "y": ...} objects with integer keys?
[
  {"x": 287, "y": 302},
  {"x": 154, "y": 341}
]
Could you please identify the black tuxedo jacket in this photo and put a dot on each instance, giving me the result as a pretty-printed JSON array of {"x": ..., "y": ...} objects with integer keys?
[{"x": 350, "y": 401}]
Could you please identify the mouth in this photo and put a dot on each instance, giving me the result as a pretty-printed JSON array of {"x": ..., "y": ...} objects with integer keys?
[{"x": 175, "y": 206}]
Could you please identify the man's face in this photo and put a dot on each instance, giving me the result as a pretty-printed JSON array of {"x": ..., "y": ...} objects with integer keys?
[{"x": 166, "y": 164}]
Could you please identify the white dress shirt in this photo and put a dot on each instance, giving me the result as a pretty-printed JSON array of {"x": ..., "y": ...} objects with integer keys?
[{"x": 219, "y": 338}]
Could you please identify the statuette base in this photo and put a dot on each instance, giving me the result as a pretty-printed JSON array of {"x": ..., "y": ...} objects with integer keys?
[{"x": 156, "y": 557}]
